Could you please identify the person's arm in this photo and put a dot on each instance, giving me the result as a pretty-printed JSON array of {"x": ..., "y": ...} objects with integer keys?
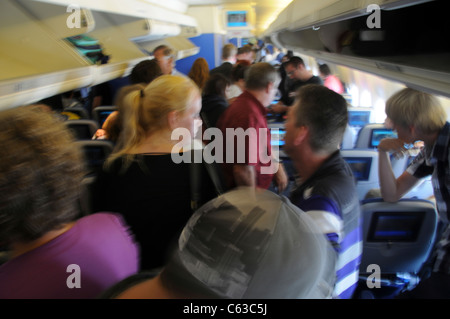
[
  {"x": 280, "y": 178},
  {"x": 392, "y": 188},
  {"x": 279, "y": 107},
  {"x": 244, "y": 175}
]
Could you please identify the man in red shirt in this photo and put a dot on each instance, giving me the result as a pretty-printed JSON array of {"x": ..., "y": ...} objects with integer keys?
[{"x": 252, "y": 163}]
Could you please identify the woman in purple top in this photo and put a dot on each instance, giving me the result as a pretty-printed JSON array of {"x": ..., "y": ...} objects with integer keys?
[{"x": 52, "y": 254}]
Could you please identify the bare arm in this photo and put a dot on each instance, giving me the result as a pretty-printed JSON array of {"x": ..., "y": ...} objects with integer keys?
[
  {"x": 392, "y": 189},
  {"x": 280, "y": 178},
  {"x": 244, "y": 175}
]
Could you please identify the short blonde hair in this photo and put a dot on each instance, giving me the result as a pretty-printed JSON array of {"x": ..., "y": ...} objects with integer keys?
[{"x": 410, "y": 107}]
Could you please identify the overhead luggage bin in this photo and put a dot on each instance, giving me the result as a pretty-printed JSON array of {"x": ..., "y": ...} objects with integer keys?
[
  {"x": 139, "y": 29},
  {"x": 38, "y": 60},
  {"x": 389, "y": 38},
  {"x": 123, "y": 53},
  {"x": 34, "y": 63},
  {"x": 183, "y": 47}
]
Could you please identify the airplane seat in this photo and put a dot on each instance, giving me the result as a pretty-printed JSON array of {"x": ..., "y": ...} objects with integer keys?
[
  {"x": 82, "y": 129},
  {"x": 370, "y": 135},
  {"x": 364, "y": 164},
  {"x": 348, "y": 141},
  {"x": 398, "y": 239},
  {"x": 85, "y": 200},
  {"x": 78, "y": 110},
  {"x": 100, "y": 113},
  {"x": 95, "y": 153}
]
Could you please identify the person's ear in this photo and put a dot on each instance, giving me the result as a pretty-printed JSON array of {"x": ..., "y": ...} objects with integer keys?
[
  {"x": 300, "y": 135},
  {"x": 269, "y": 87},
  {"x": 172, "y": 120}
]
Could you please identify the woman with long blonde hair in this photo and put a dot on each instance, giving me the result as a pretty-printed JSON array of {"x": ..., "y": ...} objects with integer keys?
[{"x": 140, "y": 179}]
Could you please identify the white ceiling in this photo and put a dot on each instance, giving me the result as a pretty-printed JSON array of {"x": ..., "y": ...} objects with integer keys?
[{"x": 265, "y": 10}]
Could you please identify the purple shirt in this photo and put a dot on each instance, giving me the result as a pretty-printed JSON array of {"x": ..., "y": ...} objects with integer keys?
[{"x": 99, "y": 245}]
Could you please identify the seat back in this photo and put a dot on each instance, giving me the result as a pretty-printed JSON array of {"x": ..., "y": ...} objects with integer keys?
[
  {"x": 100, "y": 113},
  {"x": 79, "y": 110},
  {"x": 82, "y": 129},
  {"x": 398, "y": 237},
  {"x": 95, "y": 153},
  {"x": 370, "y": 135},
  {"x": 364, "y": 164}
]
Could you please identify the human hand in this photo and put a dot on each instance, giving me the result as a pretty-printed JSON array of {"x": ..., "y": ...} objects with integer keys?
[
  {"x": 279, "y": 108},
  {"x": 393, "y": 145}
]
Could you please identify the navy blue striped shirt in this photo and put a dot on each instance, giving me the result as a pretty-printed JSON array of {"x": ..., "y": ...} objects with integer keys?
[{"x": 330, "y": 198}]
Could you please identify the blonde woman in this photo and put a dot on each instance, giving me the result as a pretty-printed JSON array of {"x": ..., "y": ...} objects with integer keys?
[{"x": 140, "y": 180}]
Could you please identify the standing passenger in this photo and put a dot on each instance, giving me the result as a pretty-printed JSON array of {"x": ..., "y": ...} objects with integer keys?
[
  {"x": 247, "y": 113},
  {"x": 141, "y": 180},
  {"x": 299, "y": 76},
  {"x": 53, "y": 254},
  {"x": 418, "y": 116},
  {"x": 199, "y": 72},
  {"x": 326, "y": 187},
  {"x": 331, "y": 81},
  {"x": 214, "y": 101},
  {"x": 166, "y": 59},
  {"x": 229, "y": 52}
]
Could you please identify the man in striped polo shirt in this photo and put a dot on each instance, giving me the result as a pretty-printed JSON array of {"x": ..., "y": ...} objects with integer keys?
[
  {"x": 419, "y": 116},
  {"x": 326, "y": 187}
]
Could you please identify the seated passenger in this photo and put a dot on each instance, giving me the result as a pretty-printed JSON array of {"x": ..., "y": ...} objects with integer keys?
[
  {"x": 141, "y": 180},
  {"x": 326, "y": 188},
  {"x": 246, "y": 243},
  {"x": 52, "y": 254}
]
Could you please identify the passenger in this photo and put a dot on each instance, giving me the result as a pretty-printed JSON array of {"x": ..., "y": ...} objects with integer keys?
[
  {"x": 166, "y": 59},
  {"x": 238, "y": 80},
  {"x": 243, "y": 244},
  {"x": 145, "y": 72},
  {"x": 295, "y": 70},
  {"x": 326, "y": 187},
  {"x": 252, "y": 165},
  {"x": 141, "y": 75},
  {"x": 246, "y": 53},
  {"x": 214, "y": 101},
  {"x": 285, "y": 80},
  {"x": 331, "y": 81},
  {"x": 52, "y": 253},
  {"x": 141, "y": 180},
  {"x": 229, "y": 52},
  {"x": 418, "y": 116},
  {"x": 199, "y": 72}
]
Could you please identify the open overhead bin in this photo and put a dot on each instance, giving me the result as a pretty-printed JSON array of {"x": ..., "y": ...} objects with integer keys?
[
  {"x": 33, "y": 62},
  {"x": 394, "y": 39},
  {"x": 38, "y": 60},
  {"x": 150, "y": 33}
]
